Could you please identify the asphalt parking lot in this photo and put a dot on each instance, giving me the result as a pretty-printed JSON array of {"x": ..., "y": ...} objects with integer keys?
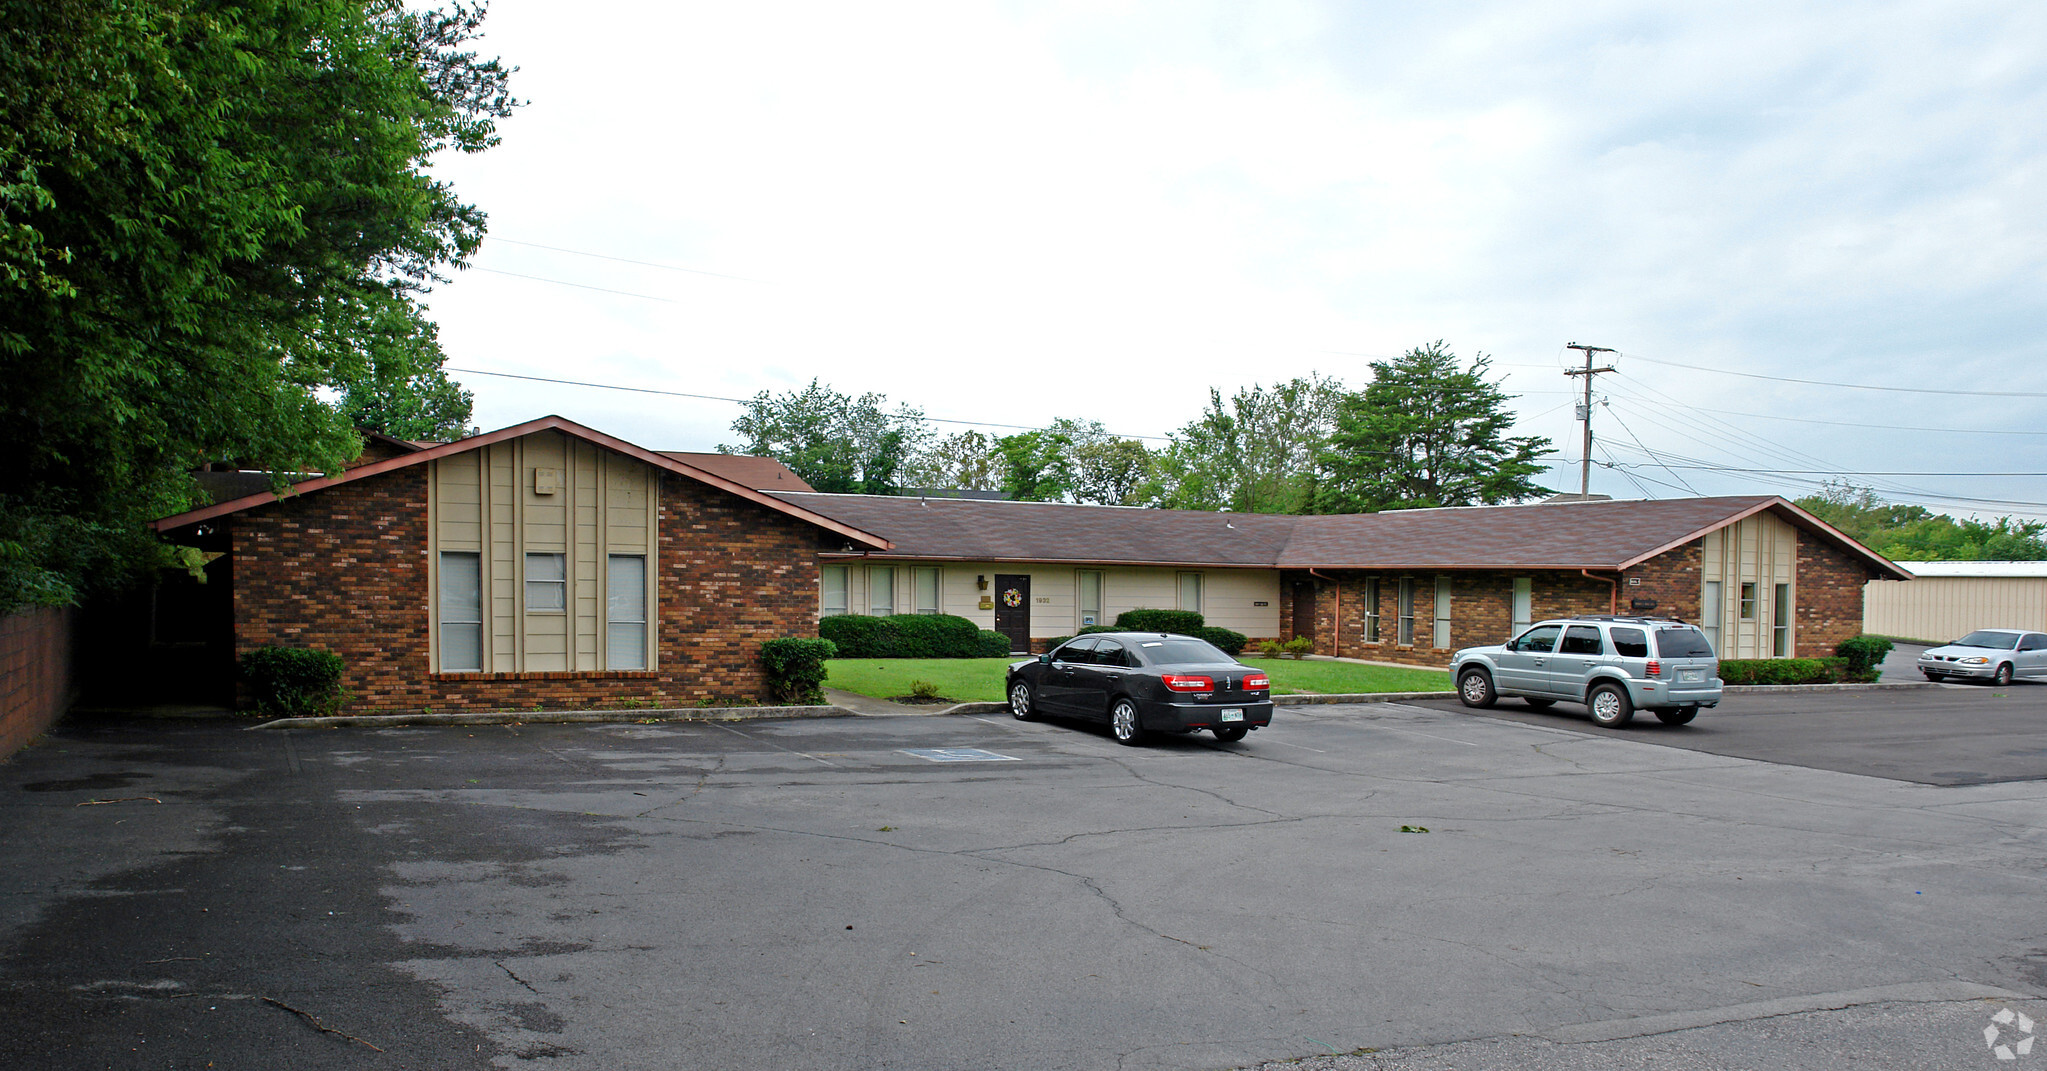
[{"x": 818, "y": 894}]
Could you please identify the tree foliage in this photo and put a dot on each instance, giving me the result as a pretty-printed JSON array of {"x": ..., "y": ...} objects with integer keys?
[
  {"x": 836, "y": 442},
  {"x": 1254, "y": 454},
  {"x": 211, "y": 211},
  {"x": 1914, "y": 533},
  {"x": 1427, "y": 432},
  {"x": 966, "y": 461}
]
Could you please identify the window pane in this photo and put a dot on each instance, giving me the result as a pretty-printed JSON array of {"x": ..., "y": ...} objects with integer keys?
[
  {"x": 833, "y": 581},
  {"x": 461, "y": 607},
  {"x": 1405, "y": 636},
  {"x": 1524, "y": 603},
  {"x": 625, "y": 612},
  {"x": 1190, "y": 592},
  {"x": 1090, "y": 598},
  {"x": 1441, "y": 636},
  {"x": 881, "y": 590},
  {"x": 546, "y": 581},
  {"x": 1712, "y": 612},
  {"x": 1780, "y": 644},
  {"x": 926, "y": 583},
  {"x": 1372, "y": 610},
  {"x": 1748, "y": 602},
  {"x": 1630, "y": 643}
]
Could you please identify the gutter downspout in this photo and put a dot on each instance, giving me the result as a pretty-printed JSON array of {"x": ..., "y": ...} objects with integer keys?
[
  {"x": 1337, "y": 586},
  {"x": 1613, "y": 602}
]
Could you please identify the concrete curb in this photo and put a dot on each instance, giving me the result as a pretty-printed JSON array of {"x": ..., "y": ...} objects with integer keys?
[
  {"x": 1770, "y": 689},
  {"x": 558, "y": 717}
]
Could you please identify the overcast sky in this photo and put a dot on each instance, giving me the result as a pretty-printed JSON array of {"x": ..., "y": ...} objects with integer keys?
[{"x": 1015, "y": 212}]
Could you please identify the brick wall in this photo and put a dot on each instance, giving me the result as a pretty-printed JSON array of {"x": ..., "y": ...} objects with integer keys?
[
  {"x": 36, "y": 682},
  {"x": 344, "y": 569},
  {"x": 1829, "y": 591}
]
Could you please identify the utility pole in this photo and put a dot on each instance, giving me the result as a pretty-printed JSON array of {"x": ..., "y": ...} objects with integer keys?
[{"x": 1585, "y": 411}]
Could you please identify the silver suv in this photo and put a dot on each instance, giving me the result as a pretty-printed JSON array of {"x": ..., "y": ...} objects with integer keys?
[{"x": 1613, "y": 665}]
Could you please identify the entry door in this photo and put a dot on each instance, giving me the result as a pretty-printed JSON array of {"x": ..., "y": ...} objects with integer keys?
[
  {"x": 1304, "y": 608},
  {"x": 1013, "y": 609}
]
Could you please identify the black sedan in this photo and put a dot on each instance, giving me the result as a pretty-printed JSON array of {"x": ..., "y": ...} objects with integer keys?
[{"x": 1142, "y": 682}]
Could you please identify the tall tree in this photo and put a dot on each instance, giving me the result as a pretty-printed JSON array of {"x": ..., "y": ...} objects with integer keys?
[
  {"x": 1427, "y": 432},
  {"x": 397, "y": 385},
  {"x": 1254, "y": 454},
  {"x": 966, "y": 461},
  {"x": 1036, "y": 466},
  {"x": 836, "y": 442},
  {"x": 204, "y": 205}
]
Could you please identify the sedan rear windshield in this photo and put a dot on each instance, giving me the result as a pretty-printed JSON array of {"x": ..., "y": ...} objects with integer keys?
[
  {"x": 1180, "y": 651},
  {"x": 2003, "y": 641},
  {"x": 1683, "y": 643}
]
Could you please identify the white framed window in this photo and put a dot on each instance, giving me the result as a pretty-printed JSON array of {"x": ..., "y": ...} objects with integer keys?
[
  {"x": 1371, "y": 586},
  {"x": 881, "y": 590},
  {"x": 832, "y": 582},
  {"x": 1780, "y": 625},
  {"x": 1190, "y": 592},
  {"x": 1090, "y": 597},
  {"x": 547, "y": 583},
  {"x": 1748, "y": 601},
  {"x": 924, "y": 590},
  {"x": 461, "y": 607},
  {"x": 1710, "y": 613},
  {"x": 1440, "y": 636},
  {"x": 1524, "y": 605},
  {"x": 625, "y": 611},
  {"x": 1405, "y": 638}
]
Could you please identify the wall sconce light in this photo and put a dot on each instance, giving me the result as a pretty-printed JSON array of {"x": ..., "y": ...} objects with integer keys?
[{"x": 981, "y": 582}]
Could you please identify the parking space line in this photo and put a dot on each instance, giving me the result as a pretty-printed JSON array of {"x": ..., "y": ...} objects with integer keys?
[{"x": 776, "y": 746}]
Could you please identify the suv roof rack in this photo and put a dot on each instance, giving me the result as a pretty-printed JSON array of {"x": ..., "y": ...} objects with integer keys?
[{"x": 1634, "y": 618}]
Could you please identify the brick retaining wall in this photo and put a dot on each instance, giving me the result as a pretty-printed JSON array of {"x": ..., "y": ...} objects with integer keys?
[{"x": 36, "y": 681}]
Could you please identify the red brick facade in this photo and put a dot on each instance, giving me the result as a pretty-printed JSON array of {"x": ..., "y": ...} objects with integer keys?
[
  {"x": 345, "y": 569},
  {"x": 1830, "y": 590}
]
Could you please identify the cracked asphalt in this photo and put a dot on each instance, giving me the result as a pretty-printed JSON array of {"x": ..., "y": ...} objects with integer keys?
[{"x": 809, "y": 894}]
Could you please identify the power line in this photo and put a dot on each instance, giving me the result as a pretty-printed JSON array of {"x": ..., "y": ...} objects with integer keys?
[
  {"x": 626, "y": 260},
  {"x": 1845, "y": 386},
  {"x": 579, "y": 286}
]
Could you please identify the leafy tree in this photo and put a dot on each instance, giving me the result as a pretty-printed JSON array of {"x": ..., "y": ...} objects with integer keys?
[
  {"x": 398, "y": 387},
  {"x": 967, "y": 461},
  {"x": 1426, "y": 432},
  {"x": 1110, "y": 471},
  {"x": 1914, "y": 533},
  {"x": 1036, "y": 465},
  {"x": 1254, "y": 454},
  {"x": 1073, "y": 461},
  {"x": 834, "y": 441},
  {"x": 205, "y": 207}
]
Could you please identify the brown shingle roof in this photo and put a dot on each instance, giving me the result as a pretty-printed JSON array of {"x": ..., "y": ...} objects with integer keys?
[
  {"x": 1574, "y": 535},
  {"x": 759, "y": 473}
]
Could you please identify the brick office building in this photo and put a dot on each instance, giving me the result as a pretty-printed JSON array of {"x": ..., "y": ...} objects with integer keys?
[{"x": 548, "y": 564}]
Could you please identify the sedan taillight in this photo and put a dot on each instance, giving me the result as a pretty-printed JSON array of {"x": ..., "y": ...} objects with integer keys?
[
  {"x": 1257, "y": 681},
  {"x": 1187, "y": 682}
]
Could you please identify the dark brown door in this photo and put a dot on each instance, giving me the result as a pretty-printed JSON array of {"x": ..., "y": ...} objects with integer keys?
[
  {"x": 1013, "y": 609},
  {"x": 1304, "y": 608}
]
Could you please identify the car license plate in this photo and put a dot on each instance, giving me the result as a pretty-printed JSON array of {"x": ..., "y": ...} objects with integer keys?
[
  {"x": 1233, "y": 714},
  {"x": 1691, "y": 675}
]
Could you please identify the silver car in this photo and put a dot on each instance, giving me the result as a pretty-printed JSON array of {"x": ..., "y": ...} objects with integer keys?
[
  {"x": 1993, "y": 654},
  {"x": 1613, "y": 665}
]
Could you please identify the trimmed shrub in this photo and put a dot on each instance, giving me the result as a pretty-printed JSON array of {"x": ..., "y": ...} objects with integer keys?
[
  {"x": 293, "y": 682},
  {"x": 1299, "y": 645},
  {"x": 852, "y": 635},
  {"x": 1092, "y": 629},
  {"x": 795, "y": 668},
  {"x": 1185, "y": 622},
  {"x": 1784, "y": 670},
  {"x": 1271, "y": 648},
  {"x": 902, "y": 636},
  {"x": 1865, "y": 655},
  {"x": 1231, "y": 643},
  {"x": 1056, "y": 641},
  {"x": 993, "y": 644}
]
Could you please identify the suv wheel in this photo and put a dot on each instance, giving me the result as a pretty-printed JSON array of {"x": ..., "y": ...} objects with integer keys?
[
  {"x": 1680, "y": 716},
  {"x": 1475, "y": 689},
  {"x": 1610, "y": 706}
]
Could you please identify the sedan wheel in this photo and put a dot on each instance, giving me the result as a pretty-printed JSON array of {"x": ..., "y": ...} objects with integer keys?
[
  {"x": 1475, "y": 689},
  {"x": 1610, "y": 706},
  {"x": 2003, "y": 675},
  {"x": 1229, "y": 734},
  {"x": 1123, "y": 723},
  {"x": 1020, "y": 701}
]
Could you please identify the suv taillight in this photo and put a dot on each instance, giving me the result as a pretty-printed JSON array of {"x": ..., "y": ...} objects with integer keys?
[
  {"x": 1187, "y": 682},
  {"x": 1654, "y": 668}
]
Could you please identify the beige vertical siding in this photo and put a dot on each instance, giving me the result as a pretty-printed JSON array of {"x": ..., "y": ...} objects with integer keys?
[
  {"x": 1229, "y": 596},
  {"x": 1941, "y": 608},
  {"x": 1761, "y": 550},
  {"x": 603, "y": 504}
]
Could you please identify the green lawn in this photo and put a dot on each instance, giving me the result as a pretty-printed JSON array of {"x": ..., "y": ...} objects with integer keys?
[{"x": 980, "y": 679}]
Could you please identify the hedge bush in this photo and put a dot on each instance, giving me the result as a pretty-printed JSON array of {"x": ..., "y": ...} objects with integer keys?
[
  {"x": 1184, "y": 622},
  {"x": 293, "y": 682},
  {"x": 903, "y": 636},
  {"x": 1231, "y": 643},
  {"x": 1784, "y": 670},
  {"x": 994, "y": 644},
  {"x": 1865, "y": 655},
  {"x": 795, "y": 668}
]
